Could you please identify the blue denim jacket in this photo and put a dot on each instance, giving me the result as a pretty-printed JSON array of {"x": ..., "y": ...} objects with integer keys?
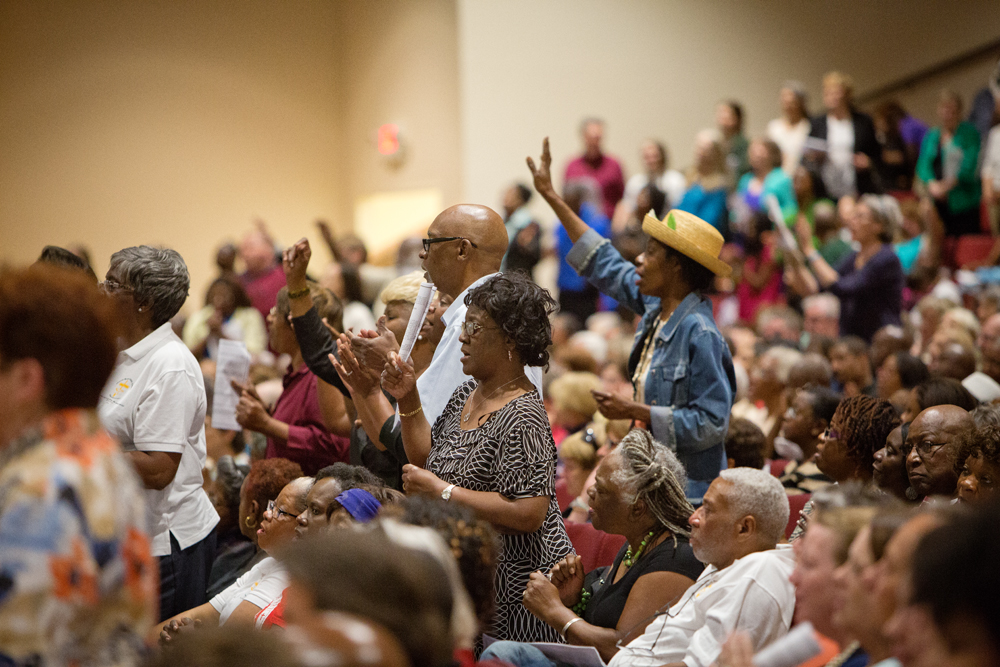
[{"x": 691, "y": 383}]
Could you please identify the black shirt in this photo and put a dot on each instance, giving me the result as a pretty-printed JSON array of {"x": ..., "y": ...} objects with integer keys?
[{"x": 608, "y": 603}]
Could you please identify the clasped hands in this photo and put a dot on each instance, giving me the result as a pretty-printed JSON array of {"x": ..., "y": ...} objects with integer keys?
[{"x": 545, "y": 596}]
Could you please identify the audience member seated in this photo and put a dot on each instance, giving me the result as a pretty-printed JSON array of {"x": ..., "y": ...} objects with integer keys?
[
  {"x": 686, "y": 407},
  {"x": 309, "y": 422},
  {"x": 789, "y": 131},
  {"x": 262, "y": 584},
  {"x": 947, "y": 168},
  {"x": 954, "y": 581},
  {"x": 155, "y": 405},
  {"x": 933, "y": 450},
  {"x": 806, "y": 420},
  {"x": 765, "y": 402},
  {"x": 821, "y": 315},
  {"x": 744, "y": 587},
  {"x": 938, "y": 391},
  {"x": 745, "y": 444},
  {"x": 492, "y": 447},
  {"x": 897, "y": 376},
  {"x": 978, "y": 463},
  {"x": 524, "y": 238},
  {"x": 578, "y": 455},
  {"x": 954, "y": 360},
  {"x": 780, "y": 325},
  {"x": 241, "y": 645},
  {"x": 847, "y": 450},
  {"x": 401, "y": 590},
  {"x": 839, "y": 514},
  {"x": 228, "y": 315},
  {"x": 889, "y": 465},
  {"x": 850, "y": 155},
  {"x": 812, "y": 369},
  {"x": 852, "y": 368},
  {"x": 79, "y": 583},
  {"x": 868, "y": 282},
  {"x": 707, "y": 181},
  {"x": 262, "y": 276},
  {"x": 639, "y": 493},
  {"x": 573, "y": 403},
  {"x": 594, "y": 165},
  {"x": 729, "y": 122},
  {"x": 233, "y": 549}
]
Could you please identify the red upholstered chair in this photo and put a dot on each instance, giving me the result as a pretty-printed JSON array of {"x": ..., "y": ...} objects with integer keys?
[
  {"x": 595, "y": 547},
  {"x": 562, "y": 495},
  {"x": 795, "y": 504},
  {"x": 972, "y": 248}
]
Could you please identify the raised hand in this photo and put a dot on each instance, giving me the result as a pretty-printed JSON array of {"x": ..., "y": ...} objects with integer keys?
[
  {"x": 542, "y": 175},
  {"x": 567, "y": 576},
  {"x": 294, "y": 262},
  {"x": 398, "y": 377},
  {"x": 361, "y": 380}
]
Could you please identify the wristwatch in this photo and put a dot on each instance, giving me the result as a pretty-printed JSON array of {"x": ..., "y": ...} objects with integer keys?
[{"x": 446, "y": 494}]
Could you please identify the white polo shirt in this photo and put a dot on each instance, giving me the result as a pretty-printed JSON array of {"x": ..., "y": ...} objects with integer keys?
[
  {"x": 753, "y": 594},
  {"x": 444, "y": 374},
  {"x": 155, "y": 402}
]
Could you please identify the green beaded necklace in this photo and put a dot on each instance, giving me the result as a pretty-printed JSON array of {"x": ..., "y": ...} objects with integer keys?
[{"x": 631, "y": 558}]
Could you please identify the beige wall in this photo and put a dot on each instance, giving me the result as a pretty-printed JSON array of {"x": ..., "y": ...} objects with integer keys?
[
  {"x": 658, "y": 67},
  {"x": 178, "y": 122}
]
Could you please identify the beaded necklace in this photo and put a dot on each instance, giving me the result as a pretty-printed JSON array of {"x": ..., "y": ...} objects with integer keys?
[{"x": 628, "y": 561}]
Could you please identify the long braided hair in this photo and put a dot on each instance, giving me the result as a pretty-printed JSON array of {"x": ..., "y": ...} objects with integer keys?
[
  {"x": 651, "y": 472},
  {"x": 865, "y": 424}
]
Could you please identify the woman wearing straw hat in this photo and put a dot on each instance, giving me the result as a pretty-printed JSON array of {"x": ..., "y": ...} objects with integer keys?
[{"x": 680, "y": 364}]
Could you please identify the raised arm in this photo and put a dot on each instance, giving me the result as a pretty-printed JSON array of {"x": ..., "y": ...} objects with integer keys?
[
  {"x": 542, "y": 176},
  {"x": 399, "y": 380}
]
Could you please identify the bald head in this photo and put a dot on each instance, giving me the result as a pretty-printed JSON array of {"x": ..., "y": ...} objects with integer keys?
[
  {"x": 933, "y": 448},
  {"x": 455, "y": 266}
]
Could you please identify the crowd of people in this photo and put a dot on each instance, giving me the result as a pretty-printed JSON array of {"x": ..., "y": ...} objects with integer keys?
[{"x": 757, "y": 382}]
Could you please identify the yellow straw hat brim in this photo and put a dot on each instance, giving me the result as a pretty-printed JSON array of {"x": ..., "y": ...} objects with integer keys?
[{"x": 688, "y": 234}]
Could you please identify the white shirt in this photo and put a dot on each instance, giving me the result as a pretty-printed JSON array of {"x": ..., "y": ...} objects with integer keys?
[
  {"x": 752, "y": 594},
  {"x": 838, "y": 170},
  {"x": 790, "y": 139},
  {"x": 445, "y": 373},
  {"x": 671, "y": 182},
  {"x": 260, "y": 586},
  {"x": 991, "y": 157},
  {"x": 155, "y": 401}
]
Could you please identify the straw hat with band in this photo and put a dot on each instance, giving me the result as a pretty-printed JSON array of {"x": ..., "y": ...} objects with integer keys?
[{"x": 690, "y": 235}]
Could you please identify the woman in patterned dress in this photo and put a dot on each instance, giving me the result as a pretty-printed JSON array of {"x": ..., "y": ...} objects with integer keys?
[{"x": 492, "y": 447}]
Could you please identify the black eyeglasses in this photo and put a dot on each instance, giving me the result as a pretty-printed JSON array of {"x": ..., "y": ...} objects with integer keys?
[
  {"x": 926, "y": 448},
  {"x": 277, "y": 512},
  {"x": 442, "y": 239}
]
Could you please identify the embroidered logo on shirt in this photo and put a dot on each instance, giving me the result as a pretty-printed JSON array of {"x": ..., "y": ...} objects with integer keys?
[{"x": 124, "y": 385}]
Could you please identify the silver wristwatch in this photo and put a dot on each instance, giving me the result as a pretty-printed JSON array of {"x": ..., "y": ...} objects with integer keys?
[{"x": 446, "y": 494}]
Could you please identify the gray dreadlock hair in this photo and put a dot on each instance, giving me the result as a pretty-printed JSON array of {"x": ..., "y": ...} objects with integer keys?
[{"x": 651, "y": 472}]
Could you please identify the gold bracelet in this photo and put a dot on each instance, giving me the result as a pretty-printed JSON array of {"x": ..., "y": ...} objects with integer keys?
[
  {"x": 298, "y": 293},
  {"x": 410, "y": 414}
]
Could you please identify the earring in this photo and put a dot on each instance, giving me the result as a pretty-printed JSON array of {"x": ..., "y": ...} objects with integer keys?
[
  {"x": 249, "y": 521},
  {"x": 510, "y": 357},
  {"x": 140, "y": 309}
]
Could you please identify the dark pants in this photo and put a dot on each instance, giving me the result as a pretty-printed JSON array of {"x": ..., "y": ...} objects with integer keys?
[{"x": 184, "y": 576}]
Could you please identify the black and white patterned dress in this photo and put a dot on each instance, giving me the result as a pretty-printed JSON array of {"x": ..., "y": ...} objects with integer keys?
[{"x": 512, "y": 453}]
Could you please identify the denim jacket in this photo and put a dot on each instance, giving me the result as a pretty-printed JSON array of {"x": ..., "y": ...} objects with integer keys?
[{"x": 691, "y": 383}]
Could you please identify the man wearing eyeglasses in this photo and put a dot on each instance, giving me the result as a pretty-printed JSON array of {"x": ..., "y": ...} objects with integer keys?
[
  {"x": 933, "y": 445},
  {"x": 744, "y": 586}
]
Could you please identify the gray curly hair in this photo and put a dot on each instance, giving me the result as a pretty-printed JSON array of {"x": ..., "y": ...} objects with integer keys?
[
  {"x": 651, "y": 472},
  {"x": 157, "y": 276}
]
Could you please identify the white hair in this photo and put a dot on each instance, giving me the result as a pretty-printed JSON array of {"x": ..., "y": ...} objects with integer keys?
[
  {"x": 464, "y": 626},
  {"x": 786, "y": 358},
  {"x": 828, "y": 303},
  {"x": 760, "y": 495}
]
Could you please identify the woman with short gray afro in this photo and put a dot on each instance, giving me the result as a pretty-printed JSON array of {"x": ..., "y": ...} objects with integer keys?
[{"x": 157, "y": 277}]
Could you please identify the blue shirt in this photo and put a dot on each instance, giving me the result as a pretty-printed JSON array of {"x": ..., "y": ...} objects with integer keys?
[
  {"x": 709, "y": 205},
  {"x": 569, "y": 280},
  {"x": 691, "y": 382}
]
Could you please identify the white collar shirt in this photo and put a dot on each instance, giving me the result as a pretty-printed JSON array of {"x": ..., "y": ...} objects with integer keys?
[
  {"x": 753, "y": 594},
  {"x": 155, "y": 401},
  {"x": 445, "y": 374}
]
